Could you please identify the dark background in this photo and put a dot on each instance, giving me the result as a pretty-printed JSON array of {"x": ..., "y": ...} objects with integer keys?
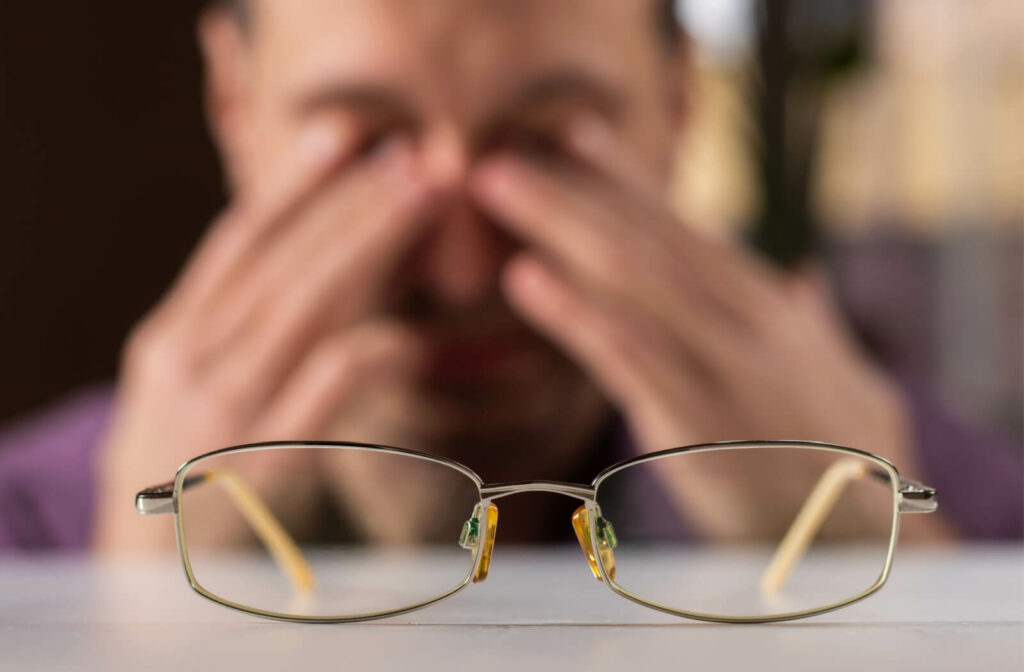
[{"x": 108, "y": 178}]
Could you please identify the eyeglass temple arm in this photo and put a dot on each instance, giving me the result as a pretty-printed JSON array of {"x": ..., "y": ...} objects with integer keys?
[
  {"x": 280, "y": 545},
  {"x": 913, "y": 498}
]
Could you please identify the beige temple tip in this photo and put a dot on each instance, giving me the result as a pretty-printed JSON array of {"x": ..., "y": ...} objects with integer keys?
[
  {"x": 277, "y": 541},
  {"x": 808, "y": 522}
]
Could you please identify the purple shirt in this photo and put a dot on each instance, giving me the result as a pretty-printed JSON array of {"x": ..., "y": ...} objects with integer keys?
[
  {"x": 47, "y": 478},
  {"x": 47, "y": 467}
]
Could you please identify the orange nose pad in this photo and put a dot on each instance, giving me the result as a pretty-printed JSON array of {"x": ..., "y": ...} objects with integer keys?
[
  {"x": 470, "y": 538},
  {"x": 605, "y": 542}
]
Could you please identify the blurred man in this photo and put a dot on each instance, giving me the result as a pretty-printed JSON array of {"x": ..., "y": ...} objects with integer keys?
[{"x": 449, "y": 232}]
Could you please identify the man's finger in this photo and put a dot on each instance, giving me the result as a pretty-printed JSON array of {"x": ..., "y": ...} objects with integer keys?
[
  {"x": 321, "y": 228},
  {"x": 338, "y": 285},
  {"x": 629, "y": 358},
  {"x": 335, "y": 372},
  {"x": 619, "y": 248},
  {"x": 744, "y": 274},
  {"x": 551, "y": 215},
  {"x": 232, "y": 241},
  {"x": 594, "y": 241},
  {"x": 590, "y": 139}
]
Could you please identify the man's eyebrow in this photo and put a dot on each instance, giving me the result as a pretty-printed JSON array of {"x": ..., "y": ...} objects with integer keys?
[
  {"x": 562, "y": 85},
  {"x": 359, "y": 96},
  {"x": 544, "y": 90}
]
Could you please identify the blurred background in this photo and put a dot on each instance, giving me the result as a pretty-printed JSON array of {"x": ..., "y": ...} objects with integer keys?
[{"x": 885, "y": 137}]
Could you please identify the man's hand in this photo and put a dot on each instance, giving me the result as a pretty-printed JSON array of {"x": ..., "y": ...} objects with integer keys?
[
  {"x": 267, "y": 332},
  {"x": 694, "y": 340}
]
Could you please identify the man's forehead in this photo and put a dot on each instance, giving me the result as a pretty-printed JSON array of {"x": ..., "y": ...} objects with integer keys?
[
  {"x": 460, "y": 51},
  {"x": 441, "y": 17}
]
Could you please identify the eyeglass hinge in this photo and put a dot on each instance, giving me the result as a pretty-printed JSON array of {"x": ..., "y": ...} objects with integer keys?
[
  {"x": 156, "y": 500},
  {"x": 916, "y": 497}
]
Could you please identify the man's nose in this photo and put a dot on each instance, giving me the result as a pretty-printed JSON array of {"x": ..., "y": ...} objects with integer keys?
[
  {"x": 445, "y": 157},
  {"x": 462, "y": 258}
]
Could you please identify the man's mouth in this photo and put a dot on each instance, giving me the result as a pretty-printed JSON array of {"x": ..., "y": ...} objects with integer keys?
[{"x": 480, "y": 359}]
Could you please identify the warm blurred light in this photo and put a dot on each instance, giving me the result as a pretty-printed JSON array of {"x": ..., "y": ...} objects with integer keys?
[
  {"x": 932, "y": 135},
  {"x": 928, "y": 135}
]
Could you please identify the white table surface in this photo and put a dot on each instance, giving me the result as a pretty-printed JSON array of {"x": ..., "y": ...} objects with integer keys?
[{"x": 941, "y": 610}]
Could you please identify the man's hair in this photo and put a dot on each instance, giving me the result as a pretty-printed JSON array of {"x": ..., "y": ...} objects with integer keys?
[{"x": 666, "y": 22}]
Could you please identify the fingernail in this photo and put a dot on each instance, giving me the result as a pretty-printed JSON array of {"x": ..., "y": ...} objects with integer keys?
[
  {"x": 318, "y": 143},
  {"x": 588, "y": 132}
]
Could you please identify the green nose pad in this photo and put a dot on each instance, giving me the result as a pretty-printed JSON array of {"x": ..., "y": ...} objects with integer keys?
[
  {"x": 469, "y": 538},
  {"x": 470, "y": 533},
  {"x": 606, "y": 541},
  {"x": 606, "y": 533}
]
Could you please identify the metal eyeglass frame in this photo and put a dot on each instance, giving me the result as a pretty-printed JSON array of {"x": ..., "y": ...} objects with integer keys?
[{"x": 909, "y": 497}]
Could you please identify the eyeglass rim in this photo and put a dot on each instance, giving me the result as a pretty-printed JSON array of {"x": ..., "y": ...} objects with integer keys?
[
  {"x": 604, "y": 473},
  {"x": 182, "y": 544},
  {"x": 894, "y": 482},
  {"x": 590, "y": 502},
  {"x": 738, "y": 444}
]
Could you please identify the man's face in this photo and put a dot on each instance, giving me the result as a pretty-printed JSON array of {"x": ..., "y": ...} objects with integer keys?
[{"x": 463, "y": 79}]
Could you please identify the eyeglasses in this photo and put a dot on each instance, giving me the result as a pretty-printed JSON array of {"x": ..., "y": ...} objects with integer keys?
[{"x": 815, "y": 532}]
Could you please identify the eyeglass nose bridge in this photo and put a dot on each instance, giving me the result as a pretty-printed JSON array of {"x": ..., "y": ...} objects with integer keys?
[
  {"x": 594, "y": 543},
  {"x": 574, "y": 490}
]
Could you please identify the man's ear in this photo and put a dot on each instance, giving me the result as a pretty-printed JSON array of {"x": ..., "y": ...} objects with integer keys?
[{"x": 226, "y": 85}]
